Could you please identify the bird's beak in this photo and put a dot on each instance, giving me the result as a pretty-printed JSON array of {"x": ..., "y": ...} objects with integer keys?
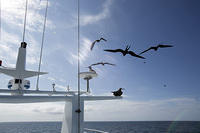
[{"x": 123, "y": 88}]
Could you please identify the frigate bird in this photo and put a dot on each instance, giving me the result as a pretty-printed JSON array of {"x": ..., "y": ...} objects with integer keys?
[
  {"x": 156, "y": 47},
  {"x": 97, "y": 41},
  {"x": 118, "y": 92},
  {"x": 102, "y": 63},
  {"x": 90, "y": 69},
  {"x": 124, "y": 52}
]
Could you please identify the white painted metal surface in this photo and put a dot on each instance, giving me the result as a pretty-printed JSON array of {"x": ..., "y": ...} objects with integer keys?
[
  {"x": 41, "y": 92},
  {"x": 69, "y": 124},
  {"x": 88, "y": 74},
  {"x": 70, "y": 98}
]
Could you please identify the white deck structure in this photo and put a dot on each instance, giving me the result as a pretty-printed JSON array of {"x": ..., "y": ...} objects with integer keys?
[
  {"x": 70, "y": 121},
  {"x": 18, "y": 94}
]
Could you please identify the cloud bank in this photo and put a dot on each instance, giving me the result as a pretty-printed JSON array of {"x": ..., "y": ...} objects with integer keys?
[{"x": 120, "y": 110}]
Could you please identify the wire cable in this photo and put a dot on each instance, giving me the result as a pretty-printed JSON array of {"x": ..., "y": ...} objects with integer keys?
[
  {"x": 25, "y": 20},
  {"x": 0, "y": 19},
  {"x": 41, "y": 50}
]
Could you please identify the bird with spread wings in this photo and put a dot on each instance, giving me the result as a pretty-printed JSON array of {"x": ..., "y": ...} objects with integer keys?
[
  {"x": 97, "y": 41},
  {"x": 102, "y": 63},
  {"x": 124, "y": 52},
  {"x": 156, "y": 48}
]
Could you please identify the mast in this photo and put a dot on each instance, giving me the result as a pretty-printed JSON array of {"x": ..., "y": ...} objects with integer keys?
[
  {"x": 79, "y": 102},
  {"x": 25, "y": 21}
]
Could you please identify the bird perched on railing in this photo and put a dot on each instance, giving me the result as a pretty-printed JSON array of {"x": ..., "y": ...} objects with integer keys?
[
  {"x": 97, "y": 41},
  {"x": 102, "y": 63},
  {"x": 118, "y": 92},
  {"x": 125, "y": 52},
  {"x": 156, "y": 47}
]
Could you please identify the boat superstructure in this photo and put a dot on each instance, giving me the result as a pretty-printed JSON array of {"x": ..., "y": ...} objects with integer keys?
[
  {"x": 19, "y": 73},
  {"x": 73, "y": 113}
]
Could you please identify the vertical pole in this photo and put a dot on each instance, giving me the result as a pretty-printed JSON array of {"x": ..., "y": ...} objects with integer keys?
[
  {"x": 79, "y": 126},
  {"x": 88, "y": 85},
  {"x": 25, "y": 20}
]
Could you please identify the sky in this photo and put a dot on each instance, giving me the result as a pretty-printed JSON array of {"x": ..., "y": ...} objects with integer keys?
[{"x": 138, "y": 23}]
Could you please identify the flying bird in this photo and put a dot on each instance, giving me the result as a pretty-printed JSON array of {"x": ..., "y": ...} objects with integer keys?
[
  {"x": 118, "y": 92},
  {"x": 156, "y": 48},
  {"x": 97, "y": 41},
  {"x": 103, "y": 63},
  {"x": 90, "y": 69},
  {"x": 124, "y": 52}
]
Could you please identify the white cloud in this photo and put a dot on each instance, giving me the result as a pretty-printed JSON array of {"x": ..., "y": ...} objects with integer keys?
[
  {"x": 123, "y": 110},
  {"x": 33, "y": 50},
  {"x": 61, "y": 87},
  {"x": 84, "y": 51},
  {"x": 13, "y": 14},
  {"x": 90, "y": 19},
  {"x": 52, "y": 109},
  {"x": 9, "y": 49},
  {"x": 51, "y": 78},
  {"x": 168, "y": 109}
]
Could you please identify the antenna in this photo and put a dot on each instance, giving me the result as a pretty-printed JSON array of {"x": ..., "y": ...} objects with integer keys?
[
  {"x": 25, "y": 20},
  {"x": 68, "y": 88},
  {"x": 78, "y": 110},
  {"x": 53, "y": 85}
]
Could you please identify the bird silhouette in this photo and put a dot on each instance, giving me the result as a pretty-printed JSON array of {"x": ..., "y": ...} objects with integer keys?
[
  {"x": 97, "y": 41},
  {"x": 125, "y": 52},
  {"x": 118, "y": 92},
  {"x": 90, "y": 69},
  {"x": 156, "y": 48},
  {"x": 102, "y": 63}
]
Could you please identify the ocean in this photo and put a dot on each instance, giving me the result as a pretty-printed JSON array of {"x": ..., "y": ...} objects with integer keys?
[{"x": 111, "y": 127}]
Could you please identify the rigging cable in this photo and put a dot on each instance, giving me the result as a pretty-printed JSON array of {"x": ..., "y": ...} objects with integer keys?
[
  {"x": 25, "y": 20},
  {"x": 79, "y": 66},
  {"x": 44, "y": 27},
  {"x": 0, "y": 19}
]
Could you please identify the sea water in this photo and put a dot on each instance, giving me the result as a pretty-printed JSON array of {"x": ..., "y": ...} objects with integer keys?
[{"x": 111, "y": 127}]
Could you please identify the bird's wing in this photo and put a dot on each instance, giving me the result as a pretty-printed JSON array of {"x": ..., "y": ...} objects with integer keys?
[
  {"x": 133, "y": 54},
  {"x": 146, "y": 50},
  {"x": 109, "y": 63},
  {"x": 93, "y": 45},
  {"x": 96, "y": 64},
  {"x": 103, "y": 39},
  {"x": 164, "y": 46},
  {"x": 114, "y": 50}
]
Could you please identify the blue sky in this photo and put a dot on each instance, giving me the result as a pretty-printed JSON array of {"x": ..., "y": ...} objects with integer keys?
[{"x": 139, "y": 23}]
